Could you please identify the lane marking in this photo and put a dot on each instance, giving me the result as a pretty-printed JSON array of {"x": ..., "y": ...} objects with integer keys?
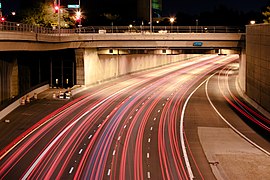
[
  {"x": 149, "y": 140},
  {"x": 231, "y": 126},
  {"x": 148, "y": 175},
  {"x": 90, "y": 136},
  {"x": 71, "y": 169},
  {"x": 183, "y": 146},
  {"x": 148, "y": 155},
  {"x": 109, "y": 172},
  {"x": 113, "y": 152},
  {"x": 80, "y": 152}
]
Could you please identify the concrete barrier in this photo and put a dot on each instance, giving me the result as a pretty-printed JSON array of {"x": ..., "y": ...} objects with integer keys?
[{"x": 17, "y": 103}]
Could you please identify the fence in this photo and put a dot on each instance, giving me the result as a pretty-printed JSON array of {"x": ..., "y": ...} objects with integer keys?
[{"x": 20, "y": 27}]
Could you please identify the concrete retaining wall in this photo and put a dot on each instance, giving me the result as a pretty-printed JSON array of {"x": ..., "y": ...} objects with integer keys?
[
  {"x": 101, "y": 67},
  {"x": 258, "y": 64}
]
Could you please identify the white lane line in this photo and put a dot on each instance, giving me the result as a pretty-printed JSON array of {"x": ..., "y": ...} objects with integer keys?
[
  {"x": 125, "y": 126},
  {"x": 109, "y": 172},
  {"x": 148, "y": 155},
  {"x": 155, "y": 119},
  {"x": 113, "y": 152},
  {"x": 71, "y": 169},
  {"x": 80, "y": 152},
  {"x": 89, "y": 137},
  {"x": 99, "y": 125},
  {"x": 151, "y": 128},
  {"x": 158, "y": 111},
  {"x": 119, "y": 138},
  {"x": 191, "y": 176},
  {"x": 148, "y": 175},
  {"x": 231, "y": 126},
  {"x": 130, "y": 117},
  {"x": 149, "y": 140},
  {"x": 137, "y": 110}
]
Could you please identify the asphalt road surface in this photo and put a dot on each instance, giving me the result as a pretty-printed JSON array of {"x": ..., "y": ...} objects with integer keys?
[{"x": 148, "y": 125}]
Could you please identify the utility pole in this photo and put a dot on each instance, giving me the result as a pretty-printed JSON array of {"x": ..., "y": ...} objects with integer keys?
[
  {"x": 151, "y": 18},
  {"x": 59, "y": 18}
]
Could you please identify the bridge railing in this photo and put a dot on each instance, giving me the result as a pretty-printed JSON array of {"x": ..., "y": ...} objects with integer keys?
[
  {"x": 20, "y": 27},
  {"x": 161, "y": 29}
]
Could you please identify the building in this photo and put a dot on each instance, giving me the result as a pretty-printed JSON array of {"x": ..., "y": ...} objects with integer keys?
[
  {"x": 143, "y": 9},
  {"x": 126, "y": 10}
]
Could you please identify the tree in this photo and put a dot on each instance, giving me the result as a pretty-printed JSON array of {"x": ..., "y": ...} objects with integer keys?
[
  {"x": 266, "y": 15},
  {"x": 43, "y": 14}
]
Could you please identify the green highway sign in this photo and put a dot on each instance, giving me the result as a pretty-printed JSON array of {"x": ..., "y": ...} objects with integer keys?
[
  {"x": 0, "y": 5},
  {"x": 73, "y": 6}
]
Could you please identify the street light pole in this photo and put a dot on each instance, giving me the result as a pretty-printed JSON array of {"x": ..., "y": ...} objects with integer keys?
[
  {"x": 80, "y": 23},
  {"x": 151, "y": 19},
  {"x": 59, "y": 17},
  {"x": 197, "y": 23}
]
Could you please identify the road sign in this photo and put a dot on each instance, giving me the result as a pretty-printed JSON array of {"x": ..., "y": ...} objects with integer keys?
[
  {"x": 197, "y": 44},
  {"x": 73, "y": 6},
  {"x": 0, "y": 5}
]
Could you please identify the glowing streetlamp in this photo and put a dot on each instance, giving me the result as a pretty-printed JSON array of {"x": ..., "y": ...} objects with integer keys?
[
  {"x": 252, "y": 22},
  {"x": 130, "y": 27}
]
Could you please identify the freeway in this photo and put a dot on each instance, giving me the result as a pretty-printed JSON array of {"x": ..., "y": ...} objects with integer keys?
[{"x": 139, "y": 126}]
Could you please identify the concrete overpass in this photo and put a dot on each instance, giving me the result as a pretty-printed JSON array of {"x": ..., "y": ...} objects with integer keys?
[
  {"x": 31, "y": 56},
  {"x": 31, "y": 41}
]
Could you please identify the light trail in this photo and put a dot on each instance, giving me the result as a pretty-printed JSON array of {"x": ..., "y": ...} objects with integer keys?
[{"x": 106, "y": 135}]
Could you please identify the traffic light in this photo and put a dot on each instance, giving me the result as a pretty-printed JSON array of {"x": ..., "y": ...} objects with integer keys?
[
  {"x": 78, "y": 16},
  {"x": 56, "y": 9}
]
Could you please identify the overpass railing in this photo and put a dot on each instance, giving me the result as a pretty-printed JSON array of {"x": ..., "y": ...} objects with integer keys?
[
  {"x": 20, "y": 27},
  {"x": 161, "y": 29}
]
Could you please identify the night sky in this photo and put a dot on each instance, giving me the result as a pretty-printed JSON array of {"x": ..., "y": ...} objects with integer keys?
[
  {"x": 171, "y": 7},
  {"x": 196, "y": 6}
]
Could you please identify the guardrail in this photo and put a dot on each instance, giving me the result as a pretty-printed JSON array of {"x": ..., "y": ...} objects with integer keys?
[
  {"x": 161, "y": 29},
  {"x": 20, "y": 27}
]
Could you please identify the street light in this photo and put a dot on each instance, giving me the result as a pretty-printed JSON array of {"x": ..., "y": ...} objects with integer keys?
[
  {"x": 252, "y": 22},
  {"x": 130, "y": 27},
  {"x": 172, "y": 21}
]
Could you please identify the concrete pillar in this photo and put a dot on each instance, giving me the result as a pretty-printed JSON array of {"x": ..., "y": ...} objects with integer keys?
[
  {"x": 242, "y": 70},
  {"x": 14, "y": 80},
  {"x": 79, "y": 55}
]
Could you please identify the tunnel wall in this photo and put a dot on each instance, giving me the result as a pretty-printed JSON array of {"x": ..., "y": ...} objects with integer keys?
[
  {"x": 101, "y": 67},
  {"x": 258, "y": 64}
]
